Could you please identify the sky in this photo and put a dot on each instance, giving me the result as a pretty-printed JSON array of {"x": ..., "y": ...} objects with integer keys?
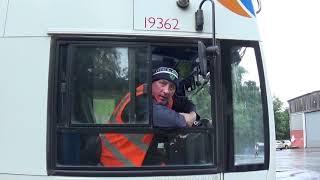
[{"x": 290, "y": 33}]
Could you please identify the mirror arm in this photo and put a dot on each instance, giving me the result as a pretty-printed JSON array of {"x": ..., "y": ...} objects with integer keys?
[
  {"x": 214, "y": 50},
  {"x": 199, "y": 27}
]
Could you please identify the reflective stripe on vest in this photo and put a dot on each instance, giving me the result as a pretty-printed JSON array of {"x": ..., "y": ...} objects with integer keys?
[{"x": 124, "y": 150}]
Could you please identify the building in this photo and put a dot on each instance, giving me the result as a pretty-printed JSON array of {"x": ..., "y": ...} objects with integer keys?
[{"x": 305, "y": 120}]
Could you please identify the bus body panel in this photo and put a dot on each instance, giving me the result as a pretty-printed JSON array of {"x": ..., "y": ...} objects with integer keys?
[
  {"x": 228, "y": 24},
  {"x": 272, "y": 136},
  {"x": 37, "y": 18},
  {"x": 101, "y": 16},
  {"x": 24, "y": 88},
  {"x": 27, "y": 18},
  {"x": 26, "y": 177},
  {"x": 3, "y": 11},
  {"x": 250, "y": 175},
  {"x": 25, "y": 29}
]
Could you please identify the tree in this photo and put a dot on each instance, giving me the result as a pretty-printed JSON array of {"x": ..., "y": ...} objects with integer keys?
[
  {"x": 281, "y": 118},
  {"x": 202, "y": 100}
]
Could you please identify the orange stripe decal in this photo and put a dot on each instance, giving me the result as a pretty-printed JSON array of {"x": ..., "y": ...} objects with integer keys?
[{"x": 234, "y": 6}]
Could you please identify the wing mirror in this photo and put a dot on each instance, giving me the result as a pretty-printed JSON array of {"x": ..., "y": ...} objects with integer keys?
[
  {"x": 202, "y": 58},
  {"x": 203, "y": 53}
]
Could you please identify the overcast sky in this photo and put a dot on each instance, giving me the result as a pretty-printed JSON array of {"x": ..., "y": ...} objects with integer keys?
[{"x": 290, "y": 31}]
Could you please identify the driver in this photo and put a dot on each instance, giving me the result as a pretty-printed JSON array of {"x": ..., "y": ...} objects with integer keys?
[{"x": 169, "y": 110}]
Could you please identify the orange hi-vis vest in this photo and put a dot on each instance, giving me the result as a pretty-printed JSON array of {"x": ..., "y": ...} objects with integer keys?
[{"x": 125, "y": 150}]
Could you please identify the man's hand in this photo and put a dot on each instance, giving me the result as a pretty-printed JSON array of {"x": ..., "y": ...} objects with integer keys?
[{"x": 189, "y": 117}]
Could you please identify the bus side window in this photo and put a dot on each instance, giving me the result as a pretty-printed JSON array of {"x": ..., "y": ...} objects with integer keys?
[{"x": 247, "y": 106}]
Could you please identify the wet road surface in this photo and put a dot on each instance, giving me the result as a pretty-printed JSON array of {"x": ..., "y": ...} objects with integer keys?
[{"x": 298, "y": 164}]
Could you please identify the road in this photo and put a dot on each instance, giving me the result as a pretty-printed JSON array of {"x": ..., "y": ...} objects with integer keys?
[{"x": 298, "y": 164}]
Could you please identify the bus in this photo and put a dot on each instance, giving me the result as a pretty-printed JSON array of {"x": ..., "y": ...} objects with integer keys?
[{"x": 65, "y": 65}]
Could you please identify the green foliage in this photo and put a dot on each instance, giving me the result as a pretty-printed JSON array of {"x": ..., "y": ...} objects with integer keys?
[
  {"x": 96, "y": 67},
  {"x": 247, "y": 115},
  {"x": 247, "y": 111},
  {"x": 281, "y": 118},
  {"x": 100, "y": 77},
  {"x": 202, "y": 100},
  {"x": 103, "y": 109}
]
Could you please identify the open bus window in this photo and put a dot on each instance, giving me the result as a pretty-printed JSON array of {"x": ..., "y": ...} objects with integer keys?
[
  {"x": 192, "y": 85},
  {"x": 247, "y": 107}
]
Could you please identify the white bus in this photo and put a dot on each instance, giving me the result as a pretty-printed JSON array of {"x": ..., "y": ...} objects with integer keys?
[{"x": 65, "y": 64}]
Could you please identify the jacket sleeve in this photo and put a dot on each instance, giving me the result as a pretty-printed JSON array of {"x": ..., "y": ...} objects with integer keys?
[
  {"x": 165, "y": 117},
  {"x": 183, "y": 104}
]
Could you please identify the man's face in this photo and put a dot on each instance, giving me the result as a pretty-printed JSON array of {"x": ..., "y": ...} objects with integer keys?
[{"x": 162, "y": 91}]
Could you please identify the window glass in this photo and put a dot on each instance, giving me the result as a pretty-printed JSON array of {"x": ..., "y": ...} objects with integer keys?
[
  {"x": 247, "y": 107},
  {"x": 100, "y": 85},
  {"x": 144, "y": 149},
  {"x": 191, "y": 84},
  {"x": 109, "y": 91},
  {"x": 201, "y": 97}
]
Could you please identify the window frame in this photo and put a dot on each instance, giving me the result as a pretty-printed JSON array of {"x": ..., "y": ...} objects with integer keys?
[
  {"x": 53, "y": 114},
  {"x": 228, "y": 106}
]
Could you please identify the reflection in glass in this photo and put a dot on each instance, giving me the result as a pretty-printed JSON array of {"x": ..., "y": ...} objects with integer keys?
[
  {"x": 192, "y": 85},
  {"x": 247, "y": 108},
  {"x": 100, "y": 79},
  {"x": 161, "y": 149},
  {"x": 201, "y": 97}
]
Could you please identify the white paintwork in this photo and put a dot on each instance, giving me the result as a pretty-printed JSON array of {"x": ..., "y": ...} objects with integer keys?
[
  {"x": 24, "y": 177},
  {"x": 27, "y": 18},
  {"x": 84, "y": 15},
  {"x": 271, "y": 173},
  {"x": 24, "y": 62},
  {"x": 228, "y": 24},
  {"x": 252, "y": 175},
  {"x": 3, "y": 12},
  {"x": 40, "y": 17},
  {"x": 24, "y": 66}
]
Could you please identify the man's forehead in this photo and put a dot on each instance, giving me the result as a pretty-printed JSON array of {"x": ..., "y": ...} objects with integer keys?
[{"x": 166, "y": 81}]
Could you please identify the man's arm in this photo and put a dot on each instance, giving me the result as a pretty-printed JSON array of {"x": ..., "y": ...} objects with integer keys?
[
  {"x": 186, "y": 108},
  {"x": 165, "y": 117},
  {"x": 189, "y": 117}
]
